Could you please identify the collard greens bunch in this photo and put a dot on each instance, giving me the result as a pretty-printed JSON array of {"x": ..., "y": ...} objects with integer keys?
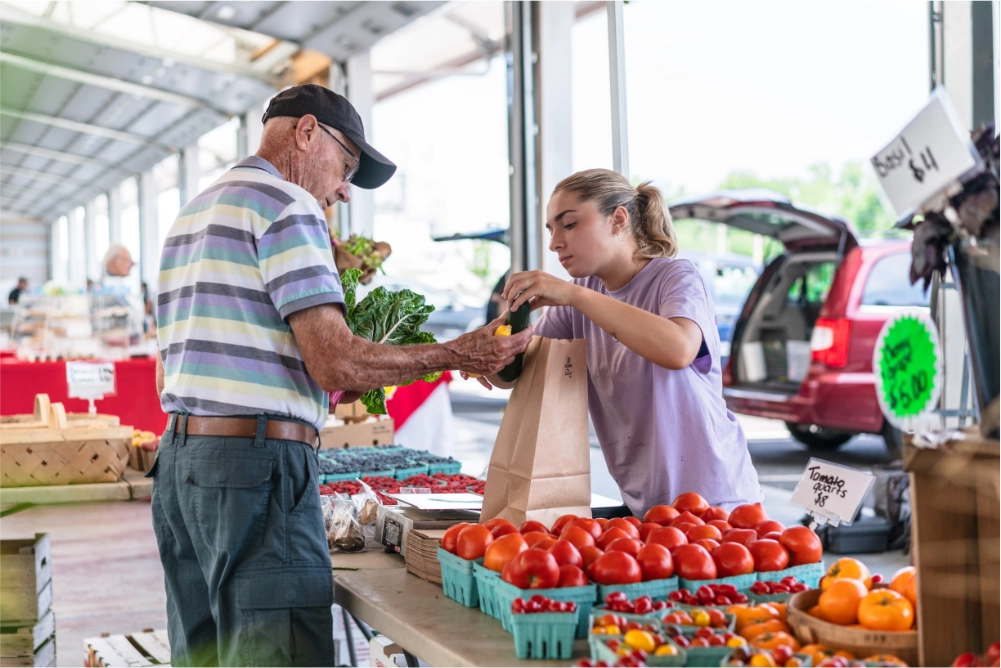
[{"x": 383, "y": 316}]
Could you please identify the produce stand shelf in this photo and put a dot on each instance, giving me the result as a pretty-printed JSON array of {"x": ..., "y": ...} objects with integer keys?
[
  {"x": 420, "y": 618},
  {"x": 132, "y": 486}
]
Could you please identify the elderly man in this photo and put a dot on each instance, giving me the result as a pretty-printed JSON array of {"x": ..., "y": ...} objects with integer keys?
[
  {"x": 118, "y": 261},
  {"x": 252, "y": 338}
]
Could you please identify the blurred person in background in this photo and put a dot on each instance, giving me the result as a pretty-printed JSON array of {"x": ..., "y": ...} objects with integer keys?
[
  {"x": 15, "y": 294},
  {"x": 117, "y": 261}
]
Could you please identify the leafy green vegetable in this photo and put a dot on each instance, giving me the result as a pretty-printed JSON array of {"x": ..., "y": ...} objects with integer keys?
[
  {"x": 392, "y": 318},
  {"x": 364, "y": 248}
]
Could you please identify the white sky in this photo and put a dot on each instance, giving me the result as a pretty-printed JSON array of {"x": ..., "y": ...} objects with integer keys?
[{"x": 770, "y": 87}]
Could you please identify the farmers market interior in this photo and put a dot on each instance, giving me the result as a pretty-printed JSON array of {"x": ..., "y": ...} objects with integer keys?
[{"x": 483, "y": 333}]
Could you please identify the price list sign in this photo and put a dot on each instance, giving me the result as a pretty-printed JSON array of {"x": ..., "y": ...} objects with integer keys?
[
  {"x": 831, "y": 493},
  {"x": 86, "y": 380},
  {"x": 927, "y": 156},
  {"x": 907, "y": 365}
]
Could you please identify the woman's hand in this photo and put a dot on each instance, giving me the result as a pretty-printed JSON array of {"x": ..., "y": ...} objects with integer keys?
[
  {"x": 482, "y": 380},
  {"x": 541, "y": 288}
]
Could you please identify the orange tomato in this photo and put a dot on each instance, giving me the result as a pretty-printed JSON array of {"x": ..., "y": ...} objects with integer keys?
[
  {"x": 779, "y": 608},
  {"x": 773, "y": 640},
  {"x": 816, "y": 612},
  {"x": 905, "y": 583},
  {"x": 756, "y": 615},
  {"x": 847, "y": 567},
  {"x": 885, "y": 610},
  {"x": 752, "y": 631},
  {"x": 885, "y": 660},
  {"x": 844, "y": 654},
  {"x": 816, "y": 652},
  {"x": 502, "y": 550},
  {"x": 840, "y": 602}
]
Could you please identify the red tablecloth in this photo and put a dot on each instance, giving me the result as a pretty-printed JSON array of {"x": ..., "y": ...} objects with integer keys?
[
  {"x": 407, "y": 399},
  {"x": 135, "y": 401}
]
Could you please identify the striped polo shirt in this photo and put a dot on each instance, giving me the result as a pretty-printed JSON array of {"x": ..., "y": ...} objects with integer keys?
[{"x": 240, "y": 258}]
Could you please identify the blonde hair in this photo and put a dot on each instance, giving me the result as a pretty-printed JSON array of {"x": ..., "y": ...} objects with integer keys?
[{"x": 649, "y": 219}]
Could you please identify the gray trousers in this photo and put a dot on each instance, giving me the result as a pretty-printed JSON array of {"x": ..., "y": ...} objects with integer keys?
[{"x": 245, "y": 558}]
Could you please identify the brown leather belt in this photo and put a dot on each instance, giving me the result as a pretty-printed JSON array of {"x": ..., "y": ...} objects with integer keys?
[{"x": 281, "y": 430}]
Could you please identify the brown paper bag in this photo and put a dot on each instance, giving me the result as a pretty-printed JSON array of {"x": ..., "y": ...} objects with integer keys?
[{"x": 540, "y": 467}]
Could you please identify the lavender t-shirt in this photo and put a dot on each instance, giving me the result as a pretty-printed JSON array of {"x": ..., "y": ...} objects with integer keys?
[{"x": 662, "y": 432}]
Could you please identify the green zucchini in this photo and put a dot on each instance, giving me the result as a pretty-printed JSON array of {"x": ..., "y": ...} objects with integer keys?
[{"x": 518, "y": 319}]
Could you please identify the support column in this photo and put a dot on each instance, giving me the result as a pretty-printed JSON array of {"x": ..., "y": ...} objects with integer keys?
[
  {"x": 188, "y": 174},
  {"x": 149, "y": 230},
  {"x": 964, "y": 58},
  {"x": 76, "y": 246},
  {"x": 359, "y": 92},
  {"x": 114, "y": 216},
  {"x": 92, "y": 263},
  {"x": 339, "y": 215},
  {"x": 248, "y": 138},
  {"x": 556, "y": 21},
  {"x": 617, "y": 81},
  {"x": 522, "y": 58}
]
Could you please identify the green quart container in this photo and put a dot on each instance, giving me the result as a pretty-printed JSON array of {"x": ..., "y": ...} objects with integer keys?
[
  {"x": 544, "y": 635},
  {"x": 457, "y": 579},
  {"x": 658, "y": 590},
  {"x": 584, "y": 597},
  {"x": 485, "y": 579}
]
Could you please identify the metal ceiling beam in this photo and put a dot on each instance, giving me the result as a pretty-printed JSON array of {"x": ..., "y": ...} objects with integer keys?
[
  {"x": 77, "y": 126},
  {"x": 107, "y": 83},
  {"x": 40, "y": 176},
  {"x": 70, "y": 158}
]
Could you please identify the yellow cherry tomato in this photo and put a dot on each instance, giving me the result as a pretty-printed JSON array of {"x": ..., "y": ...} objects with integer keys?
[
  {"x": 763, "y": 660},
  {"x": 736, "y": 641},
  {"x": 598, "y": 630},
  {"x": 643, "y": 640},
  {"x": 613, "y": 630},
  {"x": 666, "y": 650},
  {"x": 700, "y": 618}
]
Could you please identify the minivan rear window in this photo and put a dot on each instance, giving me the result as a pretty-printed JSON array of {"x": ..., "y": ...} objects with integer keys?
[
  {"x": 813, "y": 286},
  {"x": 889, "y": 284}
]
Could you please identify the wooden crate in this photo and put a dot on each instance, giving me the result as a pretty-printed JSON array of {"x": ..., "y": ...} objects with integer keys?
[
  {"x": 955, "y": 499},
  {"x": 25, "y": 580},
  {"x": 371, "y": 432},
  {"x": 62, "y": 453},
  {"x": 26, "y": 645},
  {"x": 148, "y": 648}
]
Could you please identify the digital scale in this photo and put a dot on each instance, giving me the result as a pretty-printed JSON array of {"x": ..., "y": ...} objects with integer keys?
[{"x": 393, "y": 522}]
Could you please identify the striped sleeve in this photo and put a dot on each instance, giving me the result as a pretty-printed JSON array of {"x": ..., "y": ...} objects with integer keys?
[{"x": 296, "y": 262}]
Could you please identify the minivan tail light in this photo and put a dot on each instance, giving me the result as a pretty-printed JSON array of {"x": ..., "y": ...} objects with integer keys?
[{"x": 829, "y": 343}]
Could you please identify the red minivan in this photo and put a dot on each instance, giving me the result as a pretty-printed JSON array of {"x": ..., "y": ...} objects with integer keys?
[{"x": 802, "y": 345}]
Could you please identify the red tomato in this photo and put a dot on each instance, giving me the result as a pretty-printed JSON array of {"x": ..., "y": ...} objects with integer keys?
[
  {"x": 669, "y": 537},
  {"x": 616, "y": 568},
  {"x": 708, "y": 543},
  {"x": 532, "y": 525},
  {"x": 733, "y": 559},
  {"x": 566, "y": 553},
  {"x": 768, "y": 526},
  {"x": 580, "y": 538},
  {"x": 502, "y": 550},
  {"x": 589, "y": 555},
  {"x": 661, "y": 515},
  {"x": 448, "y": 540},
  {"x": 769, "y": 555},
  {"x": 532, "y": 569},
  {"x": 635, "y": 521},
  {"x": 722, "y": 525},
  {"x": 655, "y": 562},
  {"x": 571, "y": 576},
  {"x": 703, "y": 531},
  {"x": 490, "y": 524},
  {"x": 683, "y": 527},
  {"x": 747, "y": 516},
  {"x": 545, "y": 543},
  {"x": 533, "y": 537},
  {"x": 630, "y": 546},
  {"x": 693, "y": 562},
  {"x": 803, "y": 544},
  {"x": 715, "y": 513},
  {"x": 686, "y": 517},
  {"x": 621, "y": 523},
  {"x": 561, "y": 522},
  {"x": 503, "y": 530},
  {"x": 611, "y": 533},
  {"x": 473, "y": 541},
  {"x": 691, "y": 502},
  {"x": 742, "y": 536},
  {"x": 602, "y": 521},
  {"x": 646, "y": 528},
  {"x": 774, "y": 535},
  {"x": 587, "y": 524}
]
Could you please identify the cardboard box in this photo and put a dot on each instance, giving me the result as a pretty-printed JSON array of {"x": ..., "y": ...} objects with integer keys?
[
  {"x": 384, "y": 653},
  {"x": 376, "y": 431},
  {"x": 354, "y": 412}
]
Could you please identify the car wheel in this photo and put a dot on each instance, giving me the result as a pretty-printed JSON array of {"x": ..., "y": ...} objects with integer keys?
[
  {"x": 818, "y": 438},
  {"x": 894, "y": 439}
]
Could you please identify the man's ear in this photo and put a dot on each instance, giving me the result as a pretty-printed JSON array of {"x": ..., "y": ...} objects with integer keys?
[{"x": 305, "y": 131}]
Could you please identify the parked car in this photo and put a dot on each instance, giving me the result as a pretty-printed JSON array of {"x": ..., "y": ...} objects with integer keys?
[
  {"x": 802, "y": 345},
  {"x": 729, "y": 278},
  {"x": 453, "y": 315}
]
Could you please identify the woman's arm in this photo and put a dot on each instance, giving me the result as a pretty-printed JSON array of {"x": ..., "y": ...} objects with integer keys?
[{"x": 672, "y": 343}]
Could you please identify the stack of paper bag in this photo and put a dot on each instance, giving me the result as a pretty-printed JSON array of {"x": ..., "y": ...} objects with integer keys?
[{"x": 422, "y": 554}]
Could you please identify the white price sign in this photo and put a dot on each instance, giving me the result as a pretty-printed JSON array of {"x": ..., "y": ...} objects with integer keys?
[
  {"x": 929, "y": 154},
  {"x": 87, "y": 380},
  {"x": 831, "y": 493}
]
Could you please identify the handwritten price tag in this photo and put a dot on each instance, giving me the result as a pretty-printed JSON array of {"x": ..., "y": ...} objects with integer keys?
[
  {"x": 90, "y": 381},
  {"x": 930, "y": 153},
  {"x": 831, "y": 493},
  {"x": 907, "y": 365}
]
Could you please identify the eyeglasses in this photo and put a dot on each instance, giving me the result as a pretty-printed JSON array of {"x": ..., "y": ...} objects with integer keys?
[{"x": 349, "y": 172}]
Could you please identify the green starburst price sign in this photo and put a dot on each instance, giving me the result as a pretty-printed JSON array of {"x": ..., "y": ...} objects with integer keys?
[{"x": 907, "y": 364}]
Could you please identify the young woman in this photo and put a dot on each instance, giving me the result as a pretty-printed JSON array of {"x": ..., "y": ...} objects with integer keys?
[{"x": 654, "y": 378}]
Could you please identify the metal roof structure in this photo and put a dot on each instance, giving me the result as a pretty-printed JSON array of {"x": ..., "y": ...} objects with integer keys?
[{"x": 80, "y": 111}]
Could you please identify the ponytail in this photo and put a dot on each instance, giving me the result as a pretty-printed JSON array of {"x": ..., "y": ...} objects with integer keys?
[{"x": 649, "y": 219}]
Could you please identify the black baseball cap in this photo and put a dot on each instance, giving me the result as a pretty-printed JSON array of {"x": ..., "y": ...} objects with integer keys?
[{"x": 334, "y": 110}]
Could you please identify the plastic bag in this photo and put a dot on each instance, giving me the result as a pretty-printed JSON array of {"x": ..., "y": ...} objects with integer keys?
[
  {"x": 340, "y": 519},
  {"x": 367, "y": 504}
]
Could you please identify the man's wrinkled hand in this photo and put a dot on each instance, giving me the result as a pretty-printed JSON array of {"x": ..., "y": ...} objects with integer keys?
[{"x": 483, "y": 353}]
